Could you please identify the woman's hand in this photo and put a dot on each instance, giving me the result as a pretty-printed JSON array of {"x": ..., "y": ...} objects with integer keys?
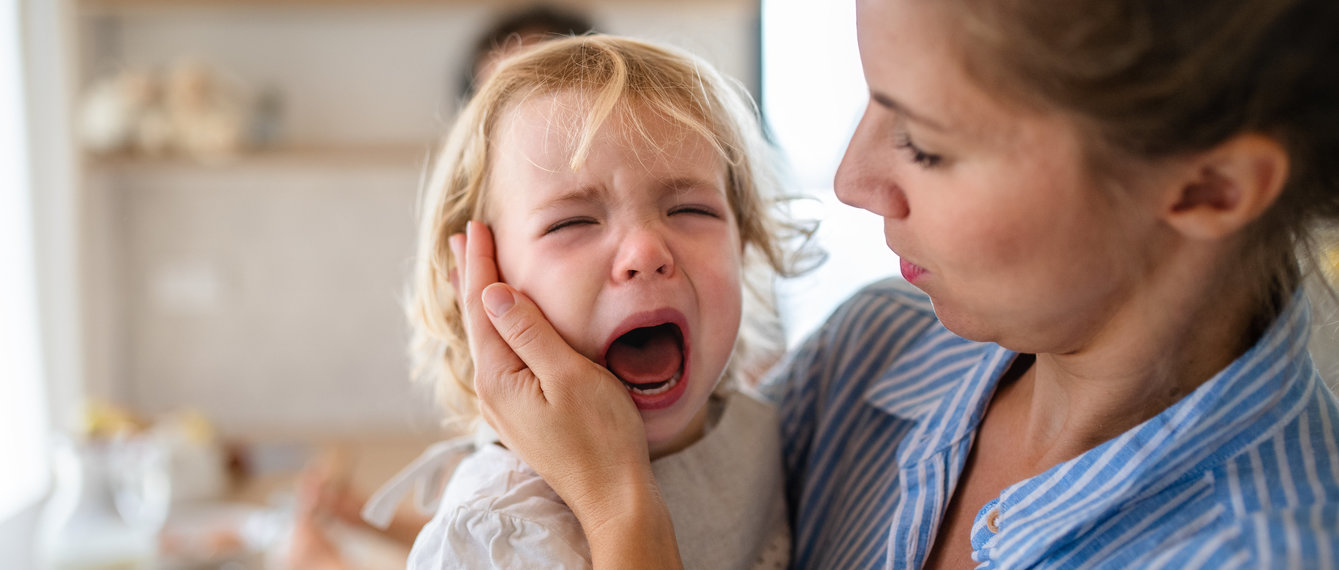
[{"x": 567, "y": 417}]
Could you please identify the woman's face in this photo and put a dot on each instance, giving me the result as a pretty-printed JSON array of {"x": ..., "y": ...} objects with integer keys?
[{"x": 989, "y": 206}]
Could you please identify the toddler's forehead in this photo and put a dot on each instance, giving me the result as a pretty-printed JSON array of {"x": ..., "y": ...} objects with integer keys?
[
  {"x": 557, "y": 132},
  {"x": 571, "y": 117},
  {"x": 553, "y": 137}
]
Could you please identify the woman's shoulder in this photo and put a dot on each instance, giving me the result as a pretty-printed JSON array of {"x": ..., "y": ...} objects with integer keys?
[
  {"x": 1290, "y": 463},
  {"x": 1277, "y": 498}
]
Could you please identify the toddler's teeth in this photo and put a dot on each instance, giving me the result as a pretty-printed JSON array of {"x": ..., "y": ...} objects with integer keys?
[{"x": 658, "y": 390}]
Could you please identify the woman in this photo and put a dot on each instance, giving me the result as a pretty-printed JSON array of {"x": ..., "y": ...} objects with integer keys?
[{"x": 1106, "y": 207}]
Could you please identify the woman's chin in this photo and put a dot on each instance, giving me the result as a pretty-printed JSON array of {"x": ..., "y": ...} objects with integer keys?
[{"x": 959, "y": 323}]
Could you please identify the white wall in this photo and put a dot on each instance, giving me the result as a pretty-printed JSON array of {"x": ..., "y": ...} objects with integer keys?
[
  {"x": 814, "y": 93},
  {"x": 50, "y": 199}
]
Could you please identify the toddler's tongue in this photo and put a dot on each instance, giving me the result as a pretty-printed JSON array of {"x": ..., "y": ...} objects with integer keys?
[{"x": 645, "y": 355}]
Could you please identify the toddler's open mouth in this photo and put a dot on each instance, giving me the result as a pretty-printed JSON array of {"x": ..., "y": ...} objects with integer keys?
[{"x": 649, "y": 360}]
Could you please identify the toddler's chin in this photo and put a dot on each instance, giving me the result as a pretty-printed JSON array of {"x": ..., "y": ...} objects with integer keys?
[{"x": 663, "y": 439}]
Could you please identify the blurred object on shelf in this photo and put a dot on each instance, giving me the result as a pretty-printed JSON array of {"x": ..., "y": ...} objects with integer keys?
[
  {"x": 81, "y": 526},
  {"x": 207, "y": 113},
  {"x": 184, "y": 442},
  {"x": 266, "y": 118},
  {"x": 197, "y": 460},
  {"x": 142, "y": 481},
  {"x": 190, "y": 109},
  {"x": 121, "y": 480},
  {"x": 220, "y": 535},
  {"x": 164, "y": 493},
  {"x": 105, "y": 420},
  {"x": 110, "y": 116}
]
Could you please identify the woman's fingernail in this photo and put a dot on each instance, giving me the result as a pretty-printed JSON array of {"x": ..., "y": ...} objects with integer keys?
[{"x": 498, "y": 299}]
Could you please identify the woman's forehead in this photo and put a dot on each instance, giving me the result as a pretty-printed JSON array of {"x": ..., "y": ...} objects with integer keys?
[{"x": 915, "y": 65}]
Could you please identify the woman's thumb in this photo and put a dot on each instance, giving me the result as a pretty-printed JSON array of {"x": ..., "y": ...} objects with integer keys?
[
  {"x": 523, "y": 327},
  {"x": 498, "y": 299}
]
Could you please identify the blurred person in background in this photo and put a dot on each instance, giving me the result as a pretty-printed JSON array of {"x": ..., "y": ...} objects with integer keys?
[{"x": 512, "y": 34}]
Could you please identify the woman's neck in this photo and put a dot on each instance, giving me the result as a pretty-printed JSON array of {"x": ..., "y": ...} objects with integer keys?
[{"x": 1159, "y": 348}]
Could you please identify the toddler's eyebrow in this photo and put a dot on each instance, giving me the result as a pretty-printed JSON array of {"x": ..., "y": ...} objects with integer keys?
[
  {"x": 685, "y": 183},
  {"x": 589, "y": 194},
  {"x": 583, "y": 195}
]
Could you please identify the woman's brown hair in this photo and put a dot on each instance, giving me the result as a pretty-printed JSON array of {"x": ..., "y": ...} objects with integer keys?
[{"x": 1153, "y": 79}]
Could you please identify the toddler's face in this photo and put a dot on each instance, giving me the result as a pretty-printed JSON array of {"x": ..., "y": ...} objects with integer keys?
[{"x": 635, "y": 257}]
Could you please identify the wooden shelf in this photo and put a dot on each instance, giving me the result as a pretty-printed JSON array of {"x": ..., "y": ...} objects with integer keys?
[
  {"x": 300, "y": 157},
  {"x": 118, "y": 5}
]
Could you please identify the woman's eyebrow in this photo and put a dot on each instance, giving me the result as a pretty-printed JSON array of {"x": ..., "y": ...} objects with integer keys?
[{"x": 892, "y": 105}]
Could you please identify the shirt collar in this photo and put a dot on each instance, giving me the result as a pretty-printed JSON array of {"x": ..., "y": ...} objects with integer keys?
[
  {"x": 1245, "y": 403},
  {"x": 943, "y": 382}
]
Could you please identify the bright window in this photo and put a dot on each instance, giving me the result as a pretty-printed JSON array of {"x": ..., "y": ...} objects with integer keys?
[
  {"x": 812, "y": 95},
  {"x": 22, "y": 404}
]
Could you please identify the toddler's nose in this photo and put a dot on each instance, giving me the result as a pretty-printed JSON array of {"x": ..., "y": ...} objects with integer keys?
[{"x": 643, "y": 253}]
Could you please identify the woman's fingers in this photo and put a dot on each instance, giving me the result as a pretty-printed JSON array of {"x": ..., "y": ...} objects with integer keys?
[
  {"x": 531, "y": 337},
  {"x": 581, "y": 397},
  {"x": 570, "y": 419},
  {"x": 566, "y": 416},
  {"x": 567, "y": 379},
  {"x": 476, "y": 269}
]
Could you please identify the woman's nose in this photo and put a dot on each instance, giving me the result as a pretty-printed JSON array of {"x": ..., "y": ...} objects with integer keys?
[
  {"x": 643, "y": 252},
  {"x": 865, "y": 177}
]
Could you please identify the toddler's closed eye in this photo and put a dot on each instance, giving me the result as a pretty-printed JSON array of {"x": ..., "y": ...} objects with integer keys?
[
  {"x": 694, "y": 209},
  {"x": 568, "y": 223}
]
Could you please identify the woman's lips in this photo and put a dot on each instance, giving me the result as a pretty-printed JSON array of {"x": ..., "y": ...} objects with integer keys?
[{"x": 910, "y": 271}]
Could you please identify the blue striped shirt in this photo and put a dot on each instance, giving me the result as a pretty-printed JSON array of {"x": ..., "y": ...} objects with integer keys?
[{"x": 880, "y": 407}]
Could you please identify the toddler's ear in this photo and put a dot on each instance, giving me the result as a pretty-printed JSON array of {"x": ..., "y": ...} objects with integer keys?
[{"x": 1228, "y": 187}]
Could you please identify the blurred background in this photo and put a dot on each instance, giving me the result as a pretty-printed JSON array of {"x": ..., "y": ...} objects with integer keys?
[
  {"x": 207, "y": 219},
  {"x": 207, "y": 222}
]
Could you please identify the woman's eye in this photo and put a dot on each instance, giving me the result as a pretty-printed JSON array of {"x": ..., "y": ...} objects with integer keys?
[
  {"x": 918, "y": 156},
  {"x": 694, "y": 209},
  {"x": 567, "y": 223}
]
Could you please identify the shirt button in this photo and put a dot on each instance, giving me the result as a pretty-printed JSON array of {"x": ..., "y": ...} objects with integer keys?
[{"x": 992, "y": 520}]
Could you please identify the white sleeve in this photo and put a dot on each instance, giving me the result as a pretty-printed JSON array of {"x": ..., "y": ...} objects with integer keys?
[{"x": 472, "y": 539}]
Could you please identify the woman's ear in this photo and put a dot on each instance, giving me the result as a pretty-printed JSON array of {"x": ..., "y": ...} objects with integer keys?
[{"x": 1228, "y": 187}]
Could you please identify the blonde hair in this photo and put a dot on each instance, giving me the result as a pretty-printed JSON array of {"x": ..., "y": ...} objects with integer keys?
[{"x": 633, "y": 78}]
